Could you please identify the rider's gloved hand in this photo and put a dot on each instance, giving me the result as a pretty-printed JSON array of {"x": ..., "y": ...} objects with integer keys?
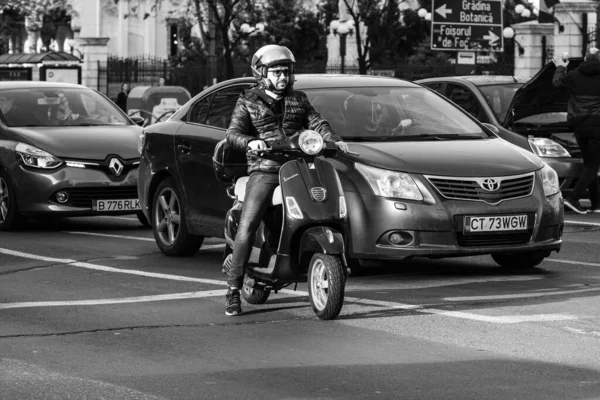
[
  {"x": 343, "y": 146},
  {"x": 257, "y": 145}
]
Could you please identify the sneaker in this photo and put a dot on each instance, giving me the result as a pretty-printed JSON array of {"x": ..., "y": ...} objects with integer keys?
[
  {"x": 233, "y": 302},
  {"x": 574, "y": 205}
]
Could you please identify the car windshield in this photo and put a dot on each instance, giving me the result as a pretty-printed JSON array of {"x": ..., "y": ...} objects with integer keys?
[
  {"x": 392, "y": 114},
  {"x": 58, "y": 106},
  {"x": 499, "y": 97}
]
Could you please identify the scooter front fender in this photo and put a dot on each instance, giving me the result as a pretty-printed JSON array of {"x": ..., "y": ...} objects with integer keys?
[{"x": 321, "y": 239}]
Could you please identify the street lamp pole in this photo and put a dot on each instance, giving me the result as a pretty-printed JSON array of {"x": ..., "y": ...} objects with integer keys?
[{"x": 343, "y": 29}]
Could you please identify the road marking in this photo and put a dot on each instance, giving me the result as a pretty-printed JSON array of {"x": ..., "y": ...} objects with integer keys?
[
  {"x": 123, "y": 300},
  {"x": 204, "y": 246},
  {"x": 115, "y": 217},
  {"x": 386, "y": 304},
  {"x": 507, "y": 319},
  {"x": 97, "y": 267},
  {"x": 112, "y": 236},
  {"x": 582, "y": 223},
  {"x": 587, "y": 264},
  {"x": 519, "y": 295},
  {"x": 582, "y": 331}
]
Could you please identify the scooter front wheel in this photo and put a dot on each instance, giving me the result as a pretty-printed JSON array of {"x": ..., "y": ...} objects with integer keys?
[
  {"x": 254, "y": 295},
  {"x": 326, "y": 285}
]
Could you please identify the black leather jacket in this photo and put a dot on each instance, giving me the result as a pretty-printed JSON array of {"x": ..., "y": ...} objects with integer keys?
[{"x": 253, "y": 118}]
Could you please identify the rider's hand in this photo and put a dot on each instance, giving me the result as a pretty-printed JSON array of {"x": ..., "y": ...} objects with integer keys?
[
  {"x": 257, "y": 145},
  {"x": 343, "y": 146}
]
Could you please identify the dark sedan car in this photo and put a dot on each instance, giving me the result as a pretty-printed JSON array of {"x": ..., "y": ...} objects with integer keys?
[
  {"x": 428, "y": 180},
  {"x": 532, "y": 108},
  {"x": 65, "y": 150}
]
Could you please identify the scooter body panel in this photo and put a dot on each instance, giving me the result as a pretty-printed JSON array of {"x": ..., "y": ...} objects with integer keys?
[{"x": 316, "y": 189}]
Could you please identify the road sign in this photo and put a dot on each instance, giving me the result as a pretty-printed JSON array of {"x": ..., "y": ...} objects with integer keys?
[{"x": 467, "y": 25}]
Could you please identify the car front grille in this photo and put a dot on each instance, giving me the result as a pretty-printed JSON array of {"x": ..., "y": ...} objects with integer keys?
[
  {"x": 472, "y": 189},
  {"x": 83, "y": 197},
  {"x": 493, "y": 239}
]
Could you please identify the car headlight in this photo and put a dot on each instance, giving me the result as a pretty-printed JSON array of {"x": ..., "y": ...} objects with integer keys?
[
  {"x": 141, "y": 138},
  {"x": 387, "y": 183},
  {"x": 311, "y": 142},
  {"x": 543, "y": 147},
  {"x": 36, "y": 158},
  {"x": 549, "y": 180}
]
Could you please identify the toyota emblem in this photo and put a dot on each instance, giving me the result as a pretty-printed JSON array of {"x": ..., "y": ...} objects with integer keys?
[
  {"x": 490, "y": 184},
  {"x": 115, "y": 166}
]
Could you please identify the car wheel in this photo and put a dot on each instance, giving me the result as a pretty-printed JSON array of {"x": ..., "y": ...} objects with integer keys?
[
  {"x": 168, "y": 222},
  {"x": 9, "y": 213},
  {"x": 143, "y": 220},
  {"x": 519, "y": 260}
]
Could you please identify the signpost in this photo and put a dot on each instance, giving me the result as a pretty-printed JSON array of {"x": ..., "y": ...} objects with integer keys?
[{"x": 467, "y": 25}]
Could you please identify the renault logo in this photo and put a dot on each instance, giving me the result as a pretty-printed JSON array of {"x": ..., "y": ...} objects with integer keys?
[
  {"x": 115, "y": 166},
  {"x": 490, "y": 184}
]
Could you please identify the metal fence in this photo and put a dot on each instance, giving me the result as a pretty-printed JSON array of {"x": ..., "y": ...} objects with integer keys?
[{"x": 147, "y": 70}]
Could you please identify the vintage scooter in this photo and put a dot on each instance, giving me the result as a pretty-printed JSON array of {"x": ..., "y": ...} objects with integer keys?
[{"x": 301, "y": 237}]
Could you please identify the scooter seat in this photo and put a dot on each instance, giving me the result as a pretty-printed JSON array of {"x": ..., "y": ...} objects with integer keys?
[{"x": 240, "y": 192}]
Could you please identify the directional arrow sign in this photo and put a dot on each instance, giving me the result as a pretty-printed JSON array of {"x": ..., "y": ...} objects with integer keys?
[
  {"x": 443, "y": 11},
  {"x": 491, "y": 37},
  {"x": 467, "y": 25}
]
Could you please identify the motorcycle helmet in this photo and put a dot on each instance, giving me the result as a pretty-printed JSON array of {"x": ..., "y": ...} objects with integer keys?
[{"x": 268, "y": 56}]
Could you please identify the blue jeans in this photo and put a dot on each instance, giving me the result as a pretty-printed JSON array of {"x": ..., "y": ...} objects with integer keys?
[{"x": 259, "y": 192}]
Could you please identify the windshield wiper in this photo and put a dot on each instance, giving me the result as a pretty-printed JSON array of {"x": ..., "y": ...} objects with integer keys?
[{"x": 425, "y": 136}]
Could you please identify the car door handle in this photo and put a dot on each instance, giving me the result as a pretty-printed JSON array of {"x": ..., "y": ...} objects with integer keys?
[{"x": 183, "y": 149}]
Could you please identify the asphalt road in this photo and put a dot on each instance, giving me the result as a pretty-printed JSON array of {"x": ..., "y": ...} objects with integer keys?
[{"x": 90, "y": 309}]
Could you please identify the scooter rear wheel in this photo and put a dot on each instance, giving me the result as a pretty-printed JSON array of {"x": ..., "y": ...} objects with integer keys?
[
  {"x": 254, "y": 295},
  {"x": 326, "y": 285}
]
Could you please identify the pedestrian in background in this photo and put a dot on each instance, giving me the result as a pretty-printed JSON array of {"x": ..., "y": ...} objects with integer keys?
[
  {"x": 122, "y": 97},
  {"x": 161, "y": 81},
  {"x": 583, "y": 116}
]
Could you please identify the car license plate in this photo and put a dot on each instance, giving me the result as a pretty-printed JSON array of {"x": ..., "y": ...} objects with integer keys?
[
  {"x": 116, "y": 205},
  {"x": 497, "y": 223}
]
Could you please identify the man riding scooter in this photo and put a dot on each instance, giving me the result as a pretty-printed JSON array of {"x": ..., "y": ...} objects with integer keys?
[{"x": 271, "y": 110}]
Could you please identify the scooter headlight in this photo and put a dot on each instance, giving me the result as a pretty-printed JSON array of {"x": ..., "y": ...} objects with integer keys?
[{"x": 311, "y": 142}]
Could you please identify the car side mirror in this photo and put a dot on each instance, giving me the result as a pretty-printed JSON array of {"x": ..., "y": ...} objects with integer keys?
[
  {"x": 492, "y": 128},
  {"x": 138, "y": 120}
]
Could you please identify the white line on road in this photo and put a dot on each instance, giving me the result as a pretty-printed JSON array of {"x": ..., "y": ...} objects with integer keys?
[
  {"x": 97, "y": 267},
  {"x": 582, "y": 223},
  {"x": 387, "y": 304},
  {"x": 112, "y": 236},
  {"x": 204, "y": 246},
  {"x": 520, "y": 295},
  {"x": 122, "y": 300},
  {"x": 115, "y": 217},
  {"x": 587, "y": 264}
]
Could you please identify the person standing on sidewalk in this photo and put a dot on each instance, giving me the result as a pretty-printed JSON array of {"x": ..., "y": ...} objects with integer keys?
[
  {"x": 583, "y": 116},
  {"x": 122, "y": 97}
]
